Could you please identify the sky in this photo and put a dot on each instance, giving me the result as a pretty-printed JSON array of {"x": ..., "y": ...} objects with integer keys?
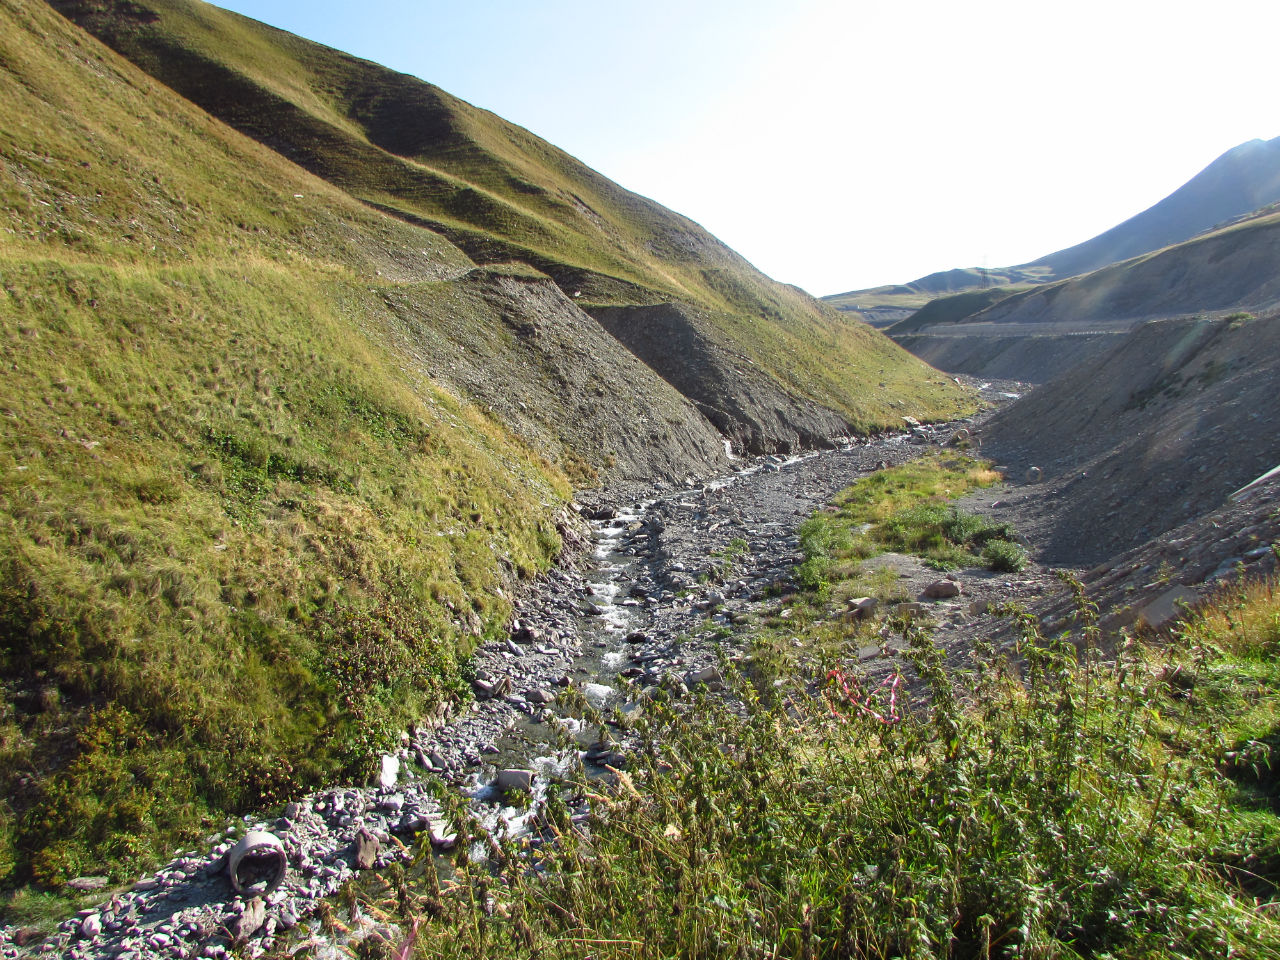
[{"x": 843, "y": 145}]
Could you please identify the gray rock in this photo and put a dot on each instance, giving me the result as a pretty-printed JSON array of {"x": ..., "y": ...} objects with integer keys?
[
  {"x": 1170, "y": 606},
  {"x": 389, "y": 772},
  {"x": 514, "y": 779},
  {"x": 246, "y": 925},
  {"x": 942, "y": 589},
  {"x": 87, "y": 884},
  {"x": 366, "y": 847},
  {"x": 862, "y": 608},
  {"x": 441, "y": 835},
  {"x": 91, "y": 926},
  {"x": 707, "y": 675}
]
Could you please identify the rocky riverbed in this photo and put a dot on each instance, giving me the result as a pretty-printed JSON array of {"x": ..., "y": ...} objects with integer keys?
[{"x": 650, "y": 598}]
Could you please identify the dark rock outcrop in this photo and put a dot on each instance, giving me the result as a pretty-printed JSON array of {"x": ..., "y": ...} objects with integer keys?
[{"x": 743, "y": 402}]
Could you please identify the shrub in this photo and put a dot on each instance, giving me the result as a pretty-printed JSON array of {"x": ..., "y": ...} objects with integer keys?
[{"x": 1004, "y": 556}]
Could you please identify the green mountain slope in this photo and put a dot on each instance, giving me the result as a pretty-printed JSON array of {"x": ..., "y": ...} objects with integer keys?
[
  {"x": 242, "y": 540},
  {"x": 502, "y": 194}
]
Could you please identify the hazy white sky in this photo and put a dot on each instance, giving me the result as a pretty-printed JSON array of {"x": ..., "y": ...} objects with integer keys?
[{"x": 840, "y": 145}]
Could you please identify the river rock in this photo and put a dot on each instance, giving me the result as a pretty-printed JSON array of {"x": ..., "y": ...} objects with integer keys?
[
  {"x": 514, "y": 779},
  {"x": 942, "y": 589},
  {"x": 87, "y": 884},
  {"x": 390, "y": 771},
  {"x": 246, "y": 925},
  {"x": 707, "y": 675},
  {"x": 441, "y": 835},
  {"x": 367, "y": 847}
]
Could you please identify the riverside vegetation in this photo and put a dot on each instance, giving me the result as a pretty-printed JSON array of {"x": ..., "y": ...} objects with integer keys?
[
  {"x": 252, "y": 520},
  {"x": 1089, "y": 798}
]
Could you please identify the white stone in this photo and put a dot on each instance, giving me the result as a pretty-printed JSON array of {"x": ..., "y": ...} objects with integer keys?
[
  {"x": 514, "y": 779},
  {"x": 1168, "y": 607},
  {"x": 390, "y": 772}
]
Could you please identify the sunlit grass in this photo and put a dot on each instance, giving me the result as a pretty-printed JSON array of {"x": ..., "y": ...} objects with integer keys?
[{"x": 243, "y": 543}]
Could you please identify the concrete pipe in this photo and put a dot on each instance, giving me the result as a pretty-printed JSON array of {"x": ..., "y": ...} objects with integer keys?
[{"x": 257, "y": 864}]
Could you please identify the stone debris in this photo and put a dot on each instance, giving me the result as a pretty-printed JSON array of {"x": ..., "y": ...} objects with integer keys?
[
  {"x": 862, "y": 608},
  {"x": 1171, "y": 605},
  {"x": 390, "y": 771},
  {"x": 512, "y": 779},
  {"x": 87, "y": 884},
  {"x": 250, "y": 920},
  {"x": 189, "y": 908}
]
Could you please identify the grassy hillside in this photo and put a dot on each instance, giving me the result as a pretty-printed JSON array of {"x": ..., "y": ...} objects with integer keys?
[
  {"x": 242, "y": 542},
  {"x": 1228, "y": 269},
  {"x": 500, "y": 193},
  {"x": 952, "y": 308}
]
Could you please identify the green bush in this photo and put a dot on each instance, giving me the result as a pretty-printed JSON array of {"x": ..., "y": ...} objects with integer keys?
[{"x": 1004, "y": 556}]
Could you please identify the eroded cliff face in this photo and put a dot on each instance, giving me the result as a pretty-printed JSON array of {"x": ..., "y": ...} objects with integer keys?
[
  {"x": 744, "y": 403},
  {"x": 518, "y": 347},
  {"x": 1156, "y": 432}
]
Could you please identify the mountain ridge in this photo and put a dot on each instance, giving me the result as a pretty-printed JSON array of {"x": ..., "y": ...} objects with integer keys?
[{"x": 1241, "y": 181}]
